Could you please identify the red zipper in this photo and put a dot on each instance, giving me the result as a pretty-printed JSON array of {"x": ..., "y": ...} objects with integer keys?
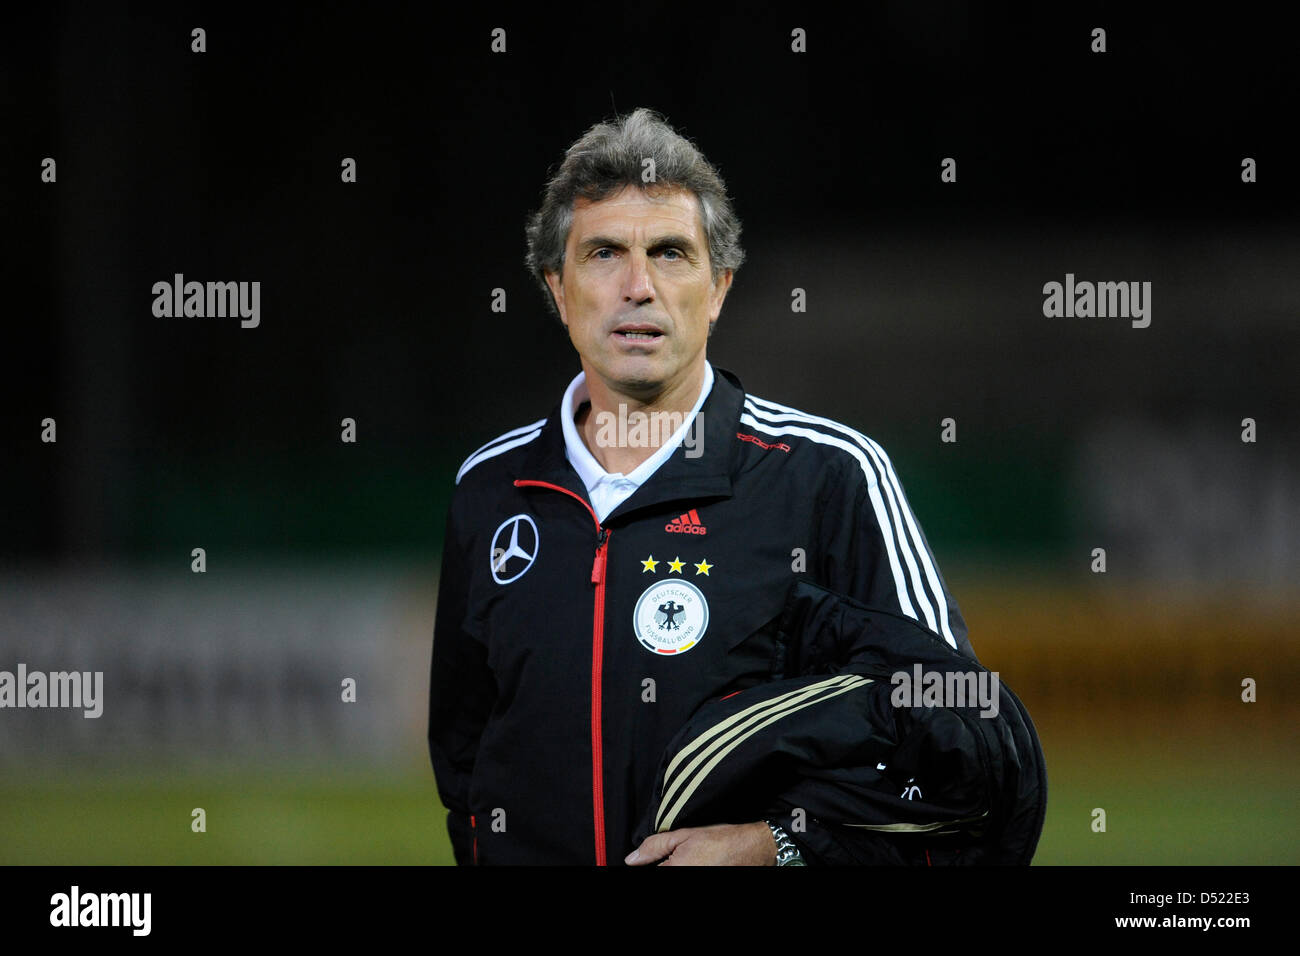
[
  {"x": 597, "y": 665},
  {"x": 474, "y": 829}
]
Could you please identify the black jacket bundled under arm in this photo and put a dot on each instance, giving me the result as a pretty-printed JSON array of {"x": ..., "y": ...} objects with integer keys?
[{"x": 827, "y": 745}]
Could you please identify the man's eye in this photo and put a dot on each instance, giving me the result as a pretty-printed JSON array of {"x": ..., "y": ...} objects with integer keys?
[
  {"x": 671, "y": 254},
  {"x": 604, "y": 249}
]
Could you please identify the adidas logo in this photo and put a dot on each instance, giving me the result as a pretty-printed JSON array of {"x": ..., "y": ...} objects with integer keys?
[{"x": 688, "y": 523}]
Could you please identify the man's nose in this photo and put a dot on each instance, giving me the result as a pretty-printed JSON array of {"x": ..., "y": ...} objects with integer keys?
[{"x": 636, "y": 284}]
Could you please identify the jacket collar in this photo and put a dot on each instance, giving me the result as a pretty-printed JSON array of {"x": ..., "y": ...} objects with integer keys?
[{"x": 706, "y": 475}]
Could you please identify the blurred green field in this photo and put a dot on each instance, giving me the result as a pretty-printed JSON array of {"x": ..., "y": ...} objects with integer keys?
[
  {"x": 309, "y": 817},
  {"x": 1169, "y": 799},
  {"x": 1137, "y": 701}
]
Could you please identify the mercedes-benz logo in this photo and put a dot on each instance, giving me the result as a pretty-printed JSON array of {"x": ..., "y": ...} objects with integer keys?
[{"x": 510, "y": 561}]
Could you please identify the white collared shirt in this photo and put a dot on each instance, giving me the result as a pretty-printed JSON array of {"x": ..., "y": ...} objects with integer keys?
[{"x": 605, "y": 489}]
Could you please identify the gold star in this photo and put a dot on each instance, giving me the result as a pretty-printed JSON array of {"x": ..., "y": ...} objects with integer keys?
[
  {"x": 649, "y": 564},
  {"x": 702, "y": 567},
  {"x": 675, "y": 565}
]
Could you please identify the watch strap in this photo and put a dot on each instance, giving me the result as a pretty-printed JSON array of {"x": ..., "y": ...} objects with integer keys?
[{"x": 787, "y": 851}]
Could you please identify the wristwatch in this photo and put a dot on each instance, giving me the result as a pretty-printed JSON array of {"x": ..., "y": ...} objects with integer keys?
[{"x": 787, "y": 853}]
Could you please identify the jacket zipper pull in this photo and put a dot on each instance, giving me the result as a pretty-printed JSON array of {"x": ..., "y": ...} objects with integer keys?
[{"x": 598, "y": 565}]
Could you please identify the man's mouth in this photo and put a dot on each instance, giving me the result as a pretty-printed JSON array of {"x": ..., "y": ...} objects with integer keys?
[
  {"x": 638, "y": 333},
  {"x": 638, "y": 336}
]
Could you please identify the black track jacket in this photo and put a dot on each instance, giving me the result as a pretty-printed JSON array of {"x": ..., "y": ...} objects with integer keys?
[{"x": 573, "y": 659}]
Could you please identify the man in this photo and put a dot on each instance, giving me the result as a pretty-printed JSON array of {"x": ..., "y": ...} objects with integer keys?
[{"x": 604, "y": 579}]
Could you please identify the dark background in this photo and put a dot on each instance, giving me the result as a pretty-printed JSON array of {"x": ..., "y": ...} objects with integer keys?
[
  {"x": 924, "y": 303},
  {"x": 924, "y": 298}
]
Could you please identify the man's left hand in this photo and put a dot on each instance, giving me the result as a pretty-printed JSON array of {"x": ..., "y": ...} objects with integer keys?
[{"x": 726, "y": 844}]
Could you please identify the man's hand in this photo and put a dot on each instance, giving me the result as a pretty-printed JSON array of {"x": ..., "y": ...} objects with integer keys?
[{"x": 726, "y": 844}]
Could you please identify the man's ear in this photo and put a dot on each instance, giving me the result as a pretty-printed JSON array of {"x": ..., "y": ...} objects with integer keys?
[
  {"x": 556, "y": 286},
  {"x": 720, "y": 287}
]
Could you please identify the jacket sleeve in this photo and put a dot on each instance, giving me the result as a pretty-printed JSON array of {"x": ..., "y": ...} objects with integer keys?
[
  {"x": 874, "y": 550},
  {"x": 872, "y": 547},
  {"x": 462, "y": 693}
]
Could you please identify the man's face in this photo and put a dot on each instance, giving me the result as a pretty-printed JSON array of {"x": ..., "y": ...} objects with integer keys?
[{"x": 637, "y": 294}]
